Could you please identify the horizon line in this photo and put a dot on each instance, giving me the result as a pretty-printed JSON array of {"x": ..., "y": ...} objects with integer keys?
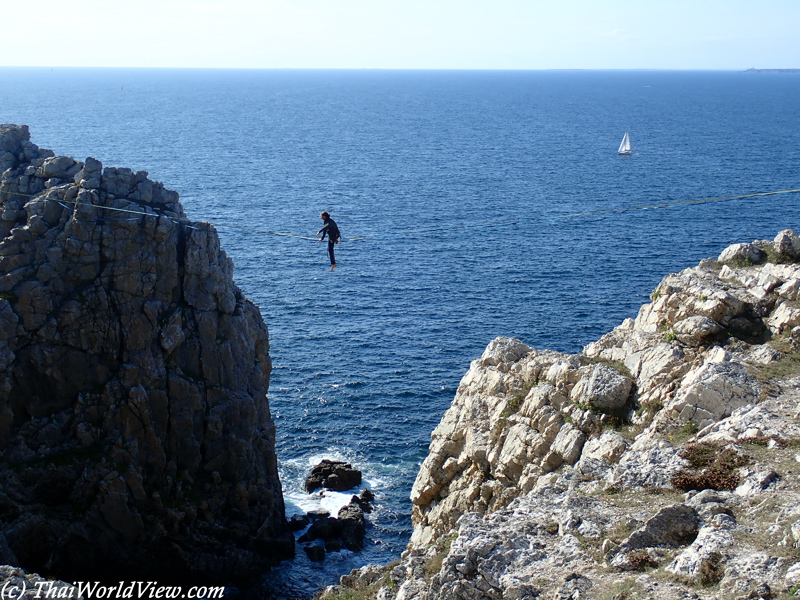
[{"x": 205, "y": 68}]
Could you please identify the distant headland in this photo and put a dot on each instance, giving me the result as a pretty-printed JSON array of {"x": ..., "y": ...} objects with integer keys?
[{"x": 754, "y": 70}]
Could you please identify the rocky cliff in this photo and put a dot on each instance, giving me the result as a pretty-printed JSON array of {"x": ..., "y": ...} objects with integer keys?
[
  {"x": 135, "y": 433},
  {"x": 661, "y": 462}
]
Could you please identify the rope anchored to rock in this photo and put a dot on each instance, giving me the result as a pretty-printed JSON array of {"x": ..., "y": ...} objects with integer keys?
[{"x": 607, "y": 211}]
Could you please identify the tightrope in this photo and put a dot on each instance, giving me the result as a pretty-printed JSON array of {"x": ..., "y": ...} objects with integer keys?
[{"x": 607, "y": 211}]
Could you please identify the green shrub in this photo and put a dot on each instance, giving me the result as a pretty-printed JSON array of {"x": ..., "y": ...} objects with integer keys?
[
  {"x": 617, "y": 365},
  {"x": 743, "y": 261},
  {"x": 518, "y": 397},
  {"x": 776, "y": 258}
]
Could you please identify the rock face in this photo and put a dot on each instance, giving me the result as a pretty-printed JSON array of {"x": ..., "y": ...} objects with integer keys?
[
  {"x": 661, "y": 462},
  {"x": 135, "y": 432}
]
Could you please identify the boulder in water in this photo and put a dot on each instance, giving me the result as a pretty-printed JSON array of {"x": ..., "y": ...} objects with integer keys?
[{"x": 334, "y": 475}]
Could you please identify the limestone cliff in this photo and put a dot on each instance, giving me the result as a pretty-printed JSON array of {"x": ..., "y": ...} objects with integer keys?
[
  {"x": 661, "y": 462},
  {"x": 135, "y": 433}
]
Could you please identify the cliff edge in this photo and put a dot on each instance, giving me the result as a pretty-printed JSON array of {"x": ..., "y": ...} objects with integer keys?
[
  {"x": 661, "y": 462},
  {"x": 135, "y": 434}
]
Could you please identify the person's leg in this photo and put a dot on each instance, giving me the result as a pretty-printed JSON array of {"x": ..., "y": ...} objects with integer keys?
[{"x": 330, "y": 253}]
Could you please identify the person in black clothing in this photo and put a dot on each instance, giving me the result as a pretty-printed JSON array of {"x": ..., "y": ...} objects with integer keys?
[{"x": 332, "y": 231}]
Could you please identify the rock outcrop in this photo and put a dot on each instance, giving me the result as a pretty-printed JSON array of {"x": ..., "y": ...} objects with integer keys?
[
  {"x": 335, "y": 475},
  {"x": 346, "y": 530},
  {"x": 661, "y": 462},
  {"x": 135, "y": 431}
]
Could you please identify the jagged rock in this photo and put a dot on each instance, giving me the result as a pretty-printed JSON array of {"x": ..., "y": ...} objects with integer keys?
[
  {"x": 501, "y": 503},
  {"x": 749, "y": 576},
  {"x": 135, "y": 431},
  {"x": 363, "y": 500},
  {"x": 410, "y": 590},
  {"x": 608, "y": 448},
  {"x": 352, "y": 526},
  {"x": 787, "y": 244},
  {"x": 363, "y": 577},
  {"x": 742, "y": 252},
  {"x": 703, "y": 561},
  {"x": 784, "y": 318},
  {"x": 672, "y": 526},
  {"x": 569, "y": 443},
  {"x": 713, "y": 391},
  {"x": 601, "y": 387},
  {"x": 696, "y": 330},
  {"x": 333, "y": 475},
  {"x": 764, "y": 354},
  {"x": 348, "y": 528},
  {"x": 693, "y": 292},
  {"x": 576, "y": 587},
  {"x": 709, "y": 504},
  {"x": 756, "y": 483},
  {"x": 789, "y": 290},
  {"x": 504, "y": 351}
]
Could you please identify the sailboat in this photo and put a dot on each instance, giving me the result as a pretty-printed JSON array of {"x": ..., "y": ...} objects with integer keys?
[{"x": 625, "y": 145}]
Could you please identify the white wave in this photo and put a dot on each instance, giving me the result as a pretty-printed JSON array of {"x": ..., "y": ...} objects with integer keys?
[
  {"x": 293, "y": 473},
  {"x": 330, "y": 502}
]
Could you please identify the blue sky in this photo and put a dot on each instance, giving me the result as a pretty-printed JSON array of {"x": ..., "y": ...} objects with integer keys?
[{"x": 404, "y": 34}]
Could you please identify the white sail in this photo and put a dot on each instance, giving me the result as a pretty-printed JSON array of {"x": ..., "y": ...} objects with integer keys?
[{"x": 625, "y": 145}]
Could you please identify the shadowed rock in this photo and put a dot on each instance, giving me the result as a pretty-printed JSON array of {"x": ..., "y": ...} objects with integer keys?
[
  {"x": 353, "y": 526},
  {"x": 333, "y": 475},
  {"x": 135, "y": 432},
  {"x": 347, "y": 529},
  {"x": 672, "y": 527}
]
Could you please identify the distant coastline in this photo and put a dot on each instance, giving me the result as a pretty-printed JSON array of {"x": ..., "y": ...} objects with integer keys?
[{"x": 754, "y": 70}]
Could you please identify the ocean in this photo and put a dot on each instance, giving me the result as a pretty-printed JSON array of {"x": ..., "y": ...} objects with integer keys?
[{"x": 472, "y": 204}]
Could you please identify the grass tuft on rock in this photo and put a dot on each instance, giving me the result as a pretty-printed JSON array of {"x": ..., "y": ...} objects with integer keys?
[{"x": 434, "y": 563}]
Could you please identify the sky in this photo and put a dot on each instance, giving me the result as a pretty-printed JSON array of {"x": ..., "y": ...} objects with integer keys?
[{"x": 403, "y": 34}]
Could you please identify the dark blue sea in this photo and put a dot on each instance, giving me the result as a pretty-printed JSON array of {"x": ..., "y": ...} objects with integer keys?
[{"x": 489, "y": 203}]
